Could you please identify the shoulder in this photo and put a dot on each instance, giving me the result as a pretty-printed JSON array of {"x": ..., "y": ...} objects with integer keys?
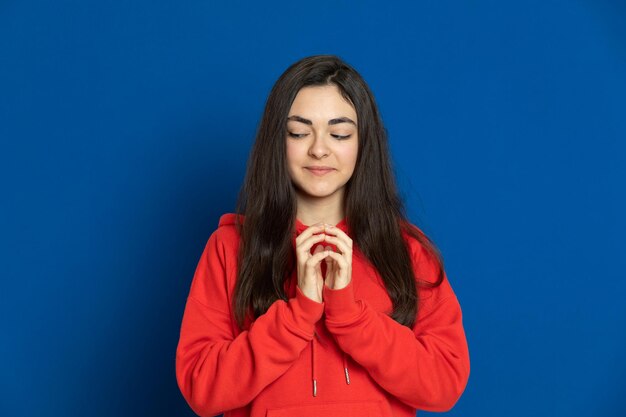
[
  {"x": 423, "y": 252},
  {"x": 430, "y": 274},
  {"x": 222, "y": 245},
  {"x": 227, "y": 228},
  {"x": 214, "y": 278},
  {"x": 226, "y": 236}
]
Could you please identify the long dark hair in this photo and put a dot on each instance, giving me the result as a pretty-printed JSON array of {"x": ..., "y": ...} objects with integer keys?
[{"x": 374, "y": 212}]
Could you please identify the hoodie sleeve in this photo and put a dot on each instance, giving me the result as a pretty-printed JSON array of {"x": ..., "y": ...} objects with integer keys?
[
  {"x": 426, "y": 367},
  {"x": 217, "y": 371}
]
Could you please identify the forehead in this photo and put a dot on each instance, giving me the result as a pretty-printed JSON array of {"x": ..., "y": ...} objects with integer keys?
[{"x": 321, "y": 103}]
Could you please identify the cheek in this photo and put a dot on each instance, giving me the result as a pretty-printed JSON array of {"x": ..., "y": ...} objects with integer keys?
[
  {"x": 291, "y": 153},
  {"x": 349, "y": 155}
]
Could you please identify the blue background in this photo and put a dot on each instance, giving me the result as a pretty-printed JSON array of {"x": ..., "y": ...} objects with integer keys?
[{"x": 125, "y": 131}]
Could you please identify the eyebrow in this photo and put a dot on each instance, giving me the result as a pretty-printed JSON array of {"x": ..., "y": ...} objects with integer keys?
[{"x": 330, "y": 122}]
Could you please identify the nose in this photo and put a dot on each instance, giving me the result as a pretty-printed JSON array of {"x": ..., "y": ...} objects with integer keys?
[{"x": 318, "y": 148}]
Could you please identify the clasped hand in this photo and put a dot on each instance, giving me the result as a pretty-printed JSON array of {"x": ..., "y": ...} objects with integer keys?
[{"x": 338, "y": 264}]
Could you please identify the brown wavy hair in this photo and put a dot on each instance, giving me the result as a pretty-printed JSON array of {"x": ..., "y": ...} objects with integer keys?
[{"x": 374, "y": 211}]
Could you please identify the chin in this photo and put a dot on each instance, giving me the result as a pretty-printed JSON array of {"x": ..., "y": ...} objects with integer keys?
[{"x": 318, "y": 192}]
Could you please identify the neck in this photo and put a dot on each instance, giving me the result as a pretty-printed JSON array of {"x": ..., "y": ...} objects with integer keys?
[{"x": 312, "y": 210}]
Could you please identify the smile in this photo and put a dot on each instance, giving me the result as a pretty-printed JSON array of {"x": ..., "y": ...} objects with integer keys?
[{"x": 320, "y": 171}]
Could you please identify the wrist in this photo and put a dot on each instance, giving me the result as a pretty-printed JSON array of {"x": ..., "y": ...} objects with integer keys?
[
  {"x": 313, "y": 294},
  {"x": 340, "y": 304},
  {"x": 306, "y": 312}
]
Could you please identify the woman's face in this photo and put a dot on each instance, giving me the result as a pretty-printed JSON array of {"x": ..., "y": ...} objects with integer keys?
[{"x": 321, "y": 132}]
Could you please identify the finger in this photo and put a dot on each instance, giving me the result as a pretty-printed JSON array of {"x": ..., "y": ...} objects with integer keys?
[
  {"x": 339, "y": 258},
  {"x": 341, "y": 244},
  {"x": 317, "y": 250},
  {"x": 304, "y": 247},
  {"x": 329, "y": 279},
  {"x": 308, "y": 232},
  {"x": 335, "y": 231},
  {"x": 315, "y": 259},
  {"x": 329, "y": 260}
]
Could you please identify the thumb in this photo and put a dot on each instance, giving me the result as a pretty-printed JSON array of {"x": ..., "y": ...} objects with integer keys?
[
  {"x": 328, "y": 259},
  {"x": 329, "y": 265},
  {"x": 318, "y": 249}
]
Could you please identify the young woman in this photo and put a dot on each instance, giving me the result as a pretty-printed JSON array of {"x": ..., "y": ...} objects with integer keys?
[{"x": 319, "y": 297}]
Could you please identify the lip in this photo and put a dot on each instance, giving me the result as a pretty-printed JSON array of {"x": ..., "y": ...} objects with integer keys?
[{"x": 320, "y": 170}]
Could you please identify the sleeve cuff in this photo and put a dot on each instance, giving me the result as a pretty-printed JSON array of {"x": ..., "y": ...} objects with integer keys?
[
  {"x": 306, "y": 312},
  {"x": 340, "y": 305}
]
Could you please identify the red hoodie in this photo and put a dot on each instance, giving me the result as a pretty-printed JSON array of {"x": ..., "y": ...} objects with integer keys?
[{"x": 342, "y": 357}]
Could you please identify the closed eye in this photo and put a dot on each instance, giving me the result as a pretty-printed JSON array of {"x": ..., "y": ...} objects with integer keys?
[
  {"x": 301, "y": 135},
  {"x": 297, "y": 135}
]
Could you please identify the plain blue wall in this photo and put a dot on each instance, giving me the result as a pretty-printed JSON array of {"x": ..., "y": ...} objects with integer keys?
[{"x": 125, "y": 130}]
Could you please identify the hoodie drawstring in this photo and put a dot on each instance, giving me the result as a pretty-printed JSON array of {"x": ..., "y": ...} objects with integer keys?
[
  {"x": 313, "y": 371},
  {"x": 345, "y": 368},
  {"x": 313, "y": 367}
]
